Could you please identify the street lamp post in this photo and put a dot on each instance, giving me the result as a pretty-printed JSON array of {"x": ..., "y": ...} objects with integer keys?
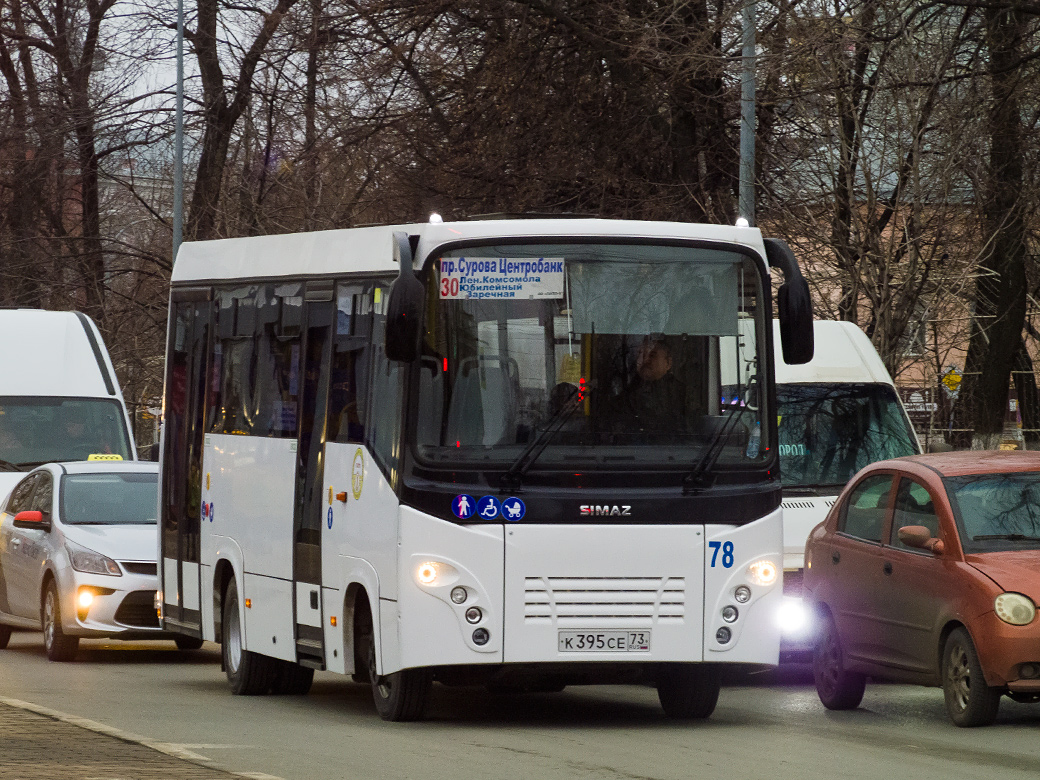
[
  {"x": 746, "y": 197},
  {"x": 178, "y": 137}
]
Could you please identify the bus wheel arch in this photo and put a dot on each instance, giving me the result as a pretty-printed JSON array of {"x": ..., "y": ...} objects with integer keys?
[
  {"x": 222, "y": 574},
  {"x": 358, "y": 624}
]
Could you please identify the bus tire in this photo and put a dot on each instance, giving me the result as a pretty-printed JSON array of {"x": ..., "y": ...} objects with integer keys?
[
  {"x": 400, "y": 696},
  {"x": 187, "y": 642},
  {"x": 56, "y": 643},
  {"x": 837, "y": 687},
  {"x": 292, "y": 679},
  {"x": 5, "y": 636},
  {"x": 689, "y": 690},
  {"x": 249, "y": 673}
]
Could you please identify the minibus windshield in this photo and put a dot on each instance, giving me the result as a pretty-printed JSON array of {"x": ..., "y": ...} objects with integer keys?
[{"x": 35, "y": 430}]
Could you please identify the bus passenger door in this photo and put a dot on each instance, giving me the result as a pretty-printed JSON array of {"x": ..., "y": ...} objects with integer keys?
[
  {"x": 181, "y": 465},
  {"x": 309, "y": 505}
]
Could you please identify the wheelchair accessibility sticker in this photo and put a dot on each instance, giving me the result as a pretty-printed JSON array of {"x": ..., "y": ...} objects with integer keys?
[
  {"x": 513, "y": 509},
  {"x": 488, "y": 508}
]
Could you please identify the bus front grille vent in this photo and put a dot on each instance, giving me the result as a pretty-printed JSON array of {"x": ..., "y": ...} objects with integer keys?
[
  {"x": 797, "y": 504},
  {"x": 618, "y": 602}
]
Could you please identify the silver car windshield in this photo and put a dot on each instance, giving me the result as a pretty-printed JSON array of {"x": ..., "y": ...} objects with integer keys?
[
  {"x": 109, "y": 499},
  {"x": 611, "y": 353}
]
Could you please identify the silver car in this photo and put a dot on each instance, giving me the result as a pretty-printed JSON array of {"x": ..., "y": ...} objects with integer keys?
[{"x": 78, "y": 555}]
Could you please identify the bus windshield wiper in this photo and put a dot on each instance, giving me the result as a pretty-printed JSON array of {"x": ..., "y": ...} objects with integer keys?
[
  {"x": 700, "y": 477},
  {"x": 513, "y": 476},
  {"x": 1008, "y": 537},
  {"x": 6, "y": 465}
]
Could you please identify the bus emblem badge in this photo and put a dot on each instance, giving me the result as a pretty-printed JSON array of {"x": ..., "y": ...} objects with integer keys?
[
  {"x": 464, "y": 506},
  {"x": 513, "y": 509},
  {"x": 357, "y": 478}
]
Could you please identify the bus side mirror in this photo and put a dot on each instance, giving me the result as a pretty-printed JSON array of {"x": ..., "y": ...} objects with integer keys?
[
  {"x": 794, "y": 305},
  {"x": 404, "y": 307}
]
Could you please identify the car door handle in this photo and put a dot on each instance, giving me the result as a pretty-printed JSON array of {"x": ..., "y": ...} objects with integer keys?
[
  {"x": 887, "y": 568},
  {"x": 835, "y": 557}
]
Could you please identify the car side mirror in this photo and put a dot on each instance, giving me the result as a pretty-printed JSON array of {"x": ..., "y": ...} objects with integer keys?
[
  {"x": 32, "y": 518},
  {"x": 919, "y": 537},
  {"x": 404, "y": 308},
  {"x": 793, "y": 304}
]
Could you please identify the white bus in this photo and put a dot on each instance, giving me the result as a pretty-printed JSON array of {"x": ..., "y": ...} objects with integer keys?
[
  {"x": 837, "y": 413},
  {"x": 60, "y": 399},
  {"x": 438, "y": 453}
]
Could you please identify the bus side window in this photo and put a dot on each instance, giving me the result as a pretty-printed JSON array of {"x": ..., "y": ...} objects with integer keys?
[
  {"x": 351, "y": 356},
  {"x": 236, "y": 327},
  {"x": 385, "y": 422},
  {"x": 275, "y": 390}
]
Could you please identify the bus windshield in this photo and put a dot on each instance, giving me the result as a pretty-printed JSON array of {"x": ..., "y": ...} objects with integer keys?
[
  {"x": 35, "y": 430},
  {"x": 604, "y": 353},
  {"x": 829, "y": 431}
]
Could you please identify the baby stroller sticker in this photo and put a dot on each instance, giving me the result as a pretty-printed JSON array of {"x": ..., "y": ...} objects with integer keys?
[{"x": 513, "y": 509}]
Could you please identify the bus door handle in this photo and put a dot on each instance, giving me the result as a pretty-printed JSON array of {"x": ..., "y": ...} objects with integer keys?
[
  {"x": 836, "y": 556},
  {"x": 887, "y": 568}
]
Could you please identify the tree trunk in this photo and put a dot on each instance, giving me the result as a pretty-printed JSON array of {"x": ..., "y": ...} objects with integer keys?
[{"x": 1000, "y": 289}]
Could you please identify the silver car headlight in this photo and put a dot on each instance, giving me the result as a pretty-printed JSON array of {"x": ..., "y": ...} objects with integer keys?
[
  {"x": 1014, "y": 608},
  {"x": 90, "y": 562}
]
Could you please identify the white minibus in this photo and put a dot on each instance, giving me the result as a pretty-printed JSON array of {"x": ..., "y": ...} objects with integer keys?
[
  {"x": 59, "y": 396},
  {"x": 837, "y": 413},
  {"x": 481, "y": 452}
]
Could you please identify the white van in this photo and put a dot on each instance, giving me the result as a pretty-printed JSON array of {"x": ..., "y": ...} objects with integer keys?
[
  {"x": 59, "y": 397},
  {"x": 838, "y": 413}
]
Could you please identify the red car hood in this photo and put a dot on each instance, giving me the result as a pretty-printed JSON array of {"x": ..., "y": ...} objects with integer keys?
[{"x": 1018, "y": 571}]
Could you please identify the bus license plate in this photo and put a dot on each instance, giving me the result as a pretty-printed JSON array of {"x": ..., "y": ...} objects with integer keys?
[{"x": 604, "y": 641}]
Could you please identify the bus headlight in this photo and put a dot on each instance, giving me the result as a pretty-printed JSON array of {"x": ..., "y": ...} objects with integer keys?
[
  {"x": 426, "y": 573},
  {"x": 1014, "y": 608},
  {"x": 432, "y": 574},
  {"x": 762, "y": 572}
]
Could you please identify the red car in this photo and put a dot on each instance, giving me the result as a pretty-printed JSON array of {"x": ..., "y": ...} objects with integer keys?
[{"x": 927, "y": 570}]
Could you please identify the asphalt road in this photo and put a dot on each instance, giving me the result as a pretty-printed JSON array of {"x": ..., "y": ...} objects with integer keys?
[{"x": 767, "y": 726}]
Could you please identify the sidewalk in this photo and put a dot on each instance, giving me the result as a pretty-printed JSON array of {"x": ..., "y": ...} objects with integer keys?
[{"x": 36, "y": 746}]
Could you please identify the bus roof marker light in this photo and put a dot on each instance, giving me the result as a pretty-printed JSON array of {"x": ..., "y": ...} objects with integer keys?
[
  {"x": 762, "y": 572},
  {"x": 742, "y": 222},
  {"x": 436, "y": 219}
]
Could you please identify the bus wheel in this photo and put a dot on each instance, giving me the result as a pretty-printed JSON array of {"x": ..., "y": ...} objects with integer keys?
[
  {"x": 58, "y": 645},
  {"x": 292, "y": 679},
  {"x": 399, "y": 696},
  {"x": 5, "y": 636},
  {"x": 689, "y": 690},
  {"x": 249, "y": 673},
  {"x": 188, "y": 642},
  {"x": 838, "y": 688}
]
